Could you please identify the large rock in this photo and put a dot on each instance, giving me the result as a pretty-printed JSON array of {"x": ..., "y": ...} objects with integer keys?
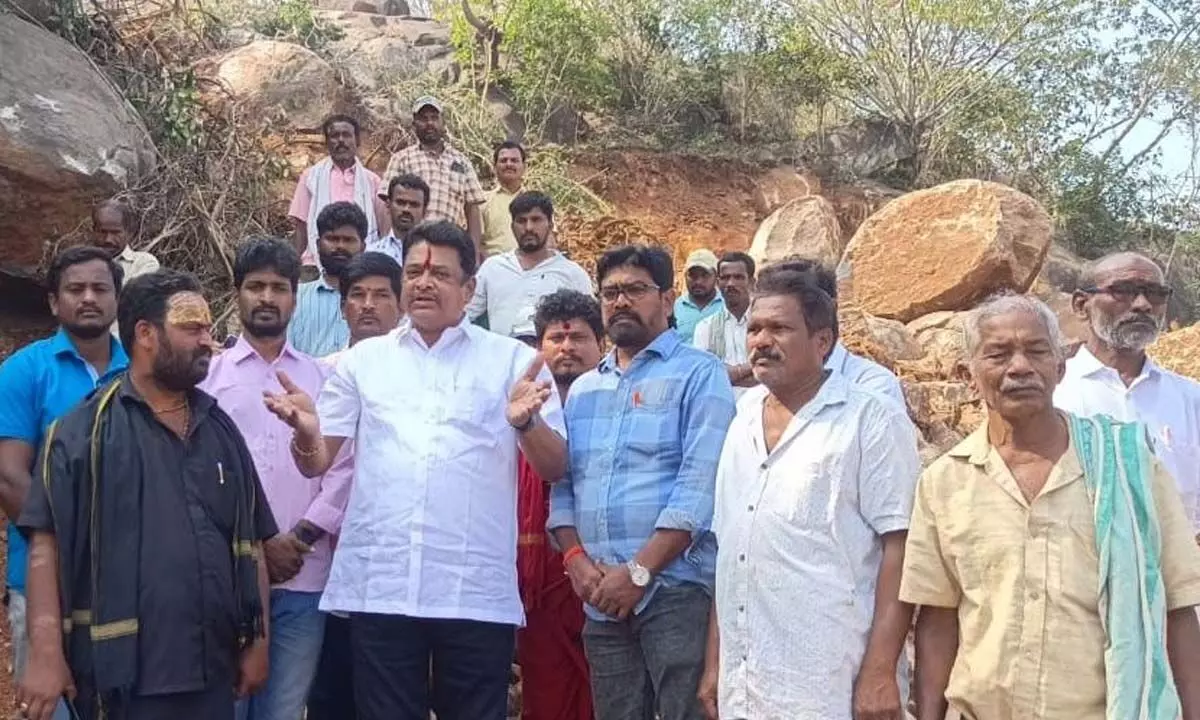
[
  {"x": 942, "y": 340},
  {"x": 855, "y": 203},
  {"x": 376, "y": 51},
  {"x": 885, "y": 341},
  {"x": 779, "y": 186},
  {"x": 945, "y": 248},
  {"x": 67, "y": 139},
  {"x": 1179, "y": 351},
  {"x": 282, "y": 83},
  {"x": 861, "y": 149},
  {"x": 806, "y": 226},
  {"x": 1061, "y": 269}
]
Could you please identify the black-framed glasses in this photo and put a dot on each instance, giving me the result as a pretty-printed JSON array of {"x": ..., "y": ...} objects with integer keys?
[
  {"x": 1129, "y": 291},
  {"x": 634, "y": 291}
]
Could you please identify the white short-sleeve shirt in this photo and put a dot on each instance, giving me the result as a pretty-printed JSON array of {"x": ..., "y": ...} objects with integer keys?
[
  {"x": 799, "y": 548},
  {"x": 1166, "y": 403},
  {"x": 509, "y": 293},
  {"x": 430, "y": 530}
]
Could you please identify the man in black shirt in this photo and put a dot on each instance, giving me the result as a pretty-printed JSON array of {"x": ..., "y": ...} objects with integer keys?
[{"x": 146, "y": 587}]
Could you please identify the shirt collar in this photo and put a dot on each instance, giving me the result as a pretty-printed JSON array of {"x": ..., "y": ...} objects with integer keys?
[
  {"x": 976, "y": 449},
  {"x": 323, "y": 286},
  {"x": 126, "y": 254},
  {"x": 199, "y": 401},
  {"x": 405, "y": 332},
  {"x": 837, "y": 358},
  {"x": 1085, "y": 363},
  {"x": 242, "y": 349},
  {"x": 60, "y": 345},
  {"x": 663, "y": 346}
]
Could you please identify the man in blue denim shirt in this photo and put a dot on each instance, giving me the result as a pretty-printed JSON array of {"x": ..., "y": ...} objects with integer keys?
[
  {"x": 43, "y": 381},
  {"x": 632, "y": 515}
]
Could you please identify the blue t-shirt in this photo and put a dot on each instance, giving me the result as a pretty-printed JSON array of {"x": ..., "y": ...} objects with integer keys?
[
  {"x": 688, "y": 315},
  {"x": 39, "y": 384}
]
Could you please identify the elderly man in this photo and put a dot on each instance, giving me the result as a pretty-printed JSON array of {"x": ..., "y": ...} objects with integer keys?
[
  {"x": 509, "y": 164},
  {"x": 1050, "y": 554},
  {"x": 455, "y": 192},
  {"x": 341, "y": 177},
  {"x": 426, "y": 561},
  {"x": 110, "y": 232},
  {"x": 814, "y": 493},
  {"x": 633, "y": 516},
  {"x": 1123, "y": 299}
]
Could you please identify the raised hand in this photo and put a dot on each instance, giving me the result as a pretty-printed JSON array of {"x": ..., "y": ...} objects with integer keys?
[
  {"x": 528, "y": 395},
  {"x": 294, "y": 407}
]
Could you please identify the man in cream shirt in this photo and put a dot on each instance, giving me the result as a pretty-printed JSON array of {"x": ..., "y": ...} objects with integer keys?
[
  {"x": 1123, "y": 298},
  {"x": 509, "y": 164}
]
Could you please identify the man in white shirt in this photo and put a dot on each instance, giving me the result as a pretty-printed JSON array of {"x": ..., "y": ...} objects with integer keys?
[
  {"x": 814, "y": 492},
  {"x": 407, "y": 198},
  {"x": 110, "y": 232},
  {"x": 1123, "y": 299},
  {"x": 724, "y": 334},
  {"x": 426, "y": 560},
  {"x": 510, "y": 284}
]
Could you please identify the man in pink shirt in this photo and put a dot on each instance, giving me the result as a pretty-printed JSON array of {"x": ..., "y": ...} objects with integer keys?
[
  {"x": 341, "y": 177},
  {"x": 307, "y": 511}
]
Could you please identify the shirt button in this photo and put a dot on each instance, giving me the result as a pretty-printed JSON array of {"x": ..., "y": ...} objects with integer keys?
[
  {"x": 741, "y": 608},
  {"x": 750, "y": 508},
  {"x": 742, "y": 557},
  {"x": 1034, "y": 595}
]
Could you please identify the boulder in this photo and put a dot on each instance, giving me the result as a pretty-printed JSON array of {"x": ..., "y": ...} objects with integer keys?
[
  {"x": 376, "y": 51},
  {"x": 946, "y": 404},
  {"x": 945, "y": 248},
  {"x": 942, "y": 342},
  {"x": 374, "y": 7},
  {"x": 1179, "y": 351},
  {"x": 779, "y": 186},
  {"x": 282, "y": 83},
  {"x": 885, "y": 341},
  {"x": 67, "y": 139},
  {"x": 1060, "y": 270},
  {"x": 861, "y": 149},
  {"x": 41, "y": 11},
  {"x": 855, "y": 203},
  {"x": 806, "y": 226}
]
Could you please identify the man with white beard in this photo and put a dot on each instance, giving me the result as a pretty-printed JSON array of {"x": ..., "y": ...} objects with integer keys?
[{"x": 1123, "y": 298}]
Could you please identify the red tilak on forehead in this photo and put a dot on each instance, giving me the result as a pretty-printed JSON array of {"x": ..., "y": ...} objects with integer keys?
[
  {"x": 567, "y": 326},
  {"x": 428, "y": 259}
]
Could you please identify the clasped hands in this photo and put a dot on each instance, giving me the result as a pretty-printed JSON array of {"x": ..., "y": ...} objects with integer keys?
[{"x": 608, "y": 588}]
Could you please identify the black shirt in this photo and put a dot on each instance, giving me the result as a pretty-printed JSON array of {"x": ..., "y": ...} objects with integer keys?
[{"x": 187, "y": 639}]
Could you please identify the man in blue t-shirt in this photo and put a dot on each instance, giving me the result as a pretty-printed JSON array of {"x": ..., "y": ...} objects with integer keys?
[{"x": 42, "y": 381}]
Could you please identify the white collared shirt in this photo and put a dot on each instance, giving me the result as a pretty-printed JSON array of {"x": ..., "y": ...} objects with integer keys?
[
  {"x": 1166, "y": 403},
  {"x": 732, "y": 330},
  {"x": 431, "y": 529},
  {"x": 799, "y": 548},
  {"x": 389, "y": 245},
  {"x": 508, "y": 293},
  {"x": 866, "y": 374}
]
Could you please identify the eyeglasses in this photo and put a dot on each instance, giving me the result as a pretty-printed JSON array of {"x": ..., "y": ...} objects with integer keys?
[
  {"x": 633, "y": 291},
  {"x": 1129, "y": 291}
]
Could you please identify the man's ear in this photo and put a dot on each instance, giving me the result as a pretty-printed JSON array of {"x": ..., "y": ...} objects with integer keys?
[{"x": 1079, "y": 304}]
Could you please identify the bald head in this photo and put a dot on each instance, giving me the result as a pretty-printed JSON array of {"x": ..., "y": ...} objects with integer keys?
[
  {"x": 1099, "y": 273},
  {"x": 110, "y": 226}
]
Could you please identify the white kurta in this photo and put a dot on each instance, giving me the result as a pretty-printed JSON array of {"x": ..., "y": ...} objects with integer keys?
[
  {"x": 431, "y": 526},
  {"x": 799, "y": 552},
  {"x": 1166, "y": 403}
]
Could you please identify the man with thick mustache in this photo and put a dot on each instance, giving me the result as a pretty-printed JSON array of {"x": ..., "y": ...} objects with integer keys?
[
  {"x": 814, "y": 492},
  {"x": 266, "y": 272},
  {"x": 632, "y": 514},
  {"x": 1123, "y": 298},
  {"x": 511, "y": 283},
  {"x": 1055, "y": 568},
  {"x": 147, "y": 590},
  {"x": 318, "y": 328},
  {"x": 341, "y": 177},
  {"x": 41, "y": 382}
]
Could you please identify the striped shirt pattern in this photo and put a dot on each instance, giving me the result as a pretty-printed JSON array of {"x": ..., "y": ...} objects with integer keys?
[
  {"x": 450, "y": 175},
  {"x": 318, "y": 328},
  {"x": 643, "y": 456}
]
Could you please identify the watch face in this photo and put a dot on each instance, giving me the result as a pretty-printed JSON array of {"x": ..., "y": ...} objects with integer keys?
[{"x": 639, "y": 575}]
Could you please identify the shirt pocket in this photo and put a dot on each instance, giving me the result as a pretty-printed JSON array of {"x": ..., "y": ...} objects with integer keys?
[{"x": 660, "y": 395}]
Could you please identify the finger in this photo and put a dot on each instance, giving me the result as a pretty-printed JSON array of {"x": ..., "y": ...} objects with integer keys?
[
  {"x": 288, "y": 386},
  {"x": 71, "y": 692},
  {"x": 535, "y": 367}
]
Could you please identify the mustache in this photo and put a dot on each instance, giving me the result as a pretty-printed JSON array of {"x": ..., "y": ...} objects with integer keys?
[
  {"x": 266, "y": 308},
  {"x": 1138, "y": 318},
  {"x": 624, "y": 316},
  {"x": 765, "y": 355},
  {"x": 1016, "y": 385}
]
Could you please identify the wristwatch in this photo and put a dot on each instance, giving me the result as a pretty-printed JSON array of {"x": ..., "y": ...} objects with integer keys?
[{"x": 639, "y": 573}]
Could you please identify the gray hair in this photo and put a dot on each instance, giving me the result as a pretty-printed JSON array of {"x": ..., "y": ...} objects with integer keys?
[{"x": 1006, "y": 304}]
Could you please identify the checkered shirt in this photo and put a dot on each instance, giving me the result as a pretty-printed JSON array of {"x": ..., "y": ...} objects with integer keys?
[{"x": 450, "y": 175}]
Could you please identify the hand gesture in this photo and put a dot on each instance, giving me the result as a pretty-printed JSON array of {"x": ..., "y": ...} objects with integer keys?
[
  {"x": 294, "y": 407},
  {"x": 877, "y": 696},
  {"x": 616, "y": 595},
  {"x": 46, "y": 680},
  {"x": 284, "y": 555},
  {"x": 528, "y": 395}
]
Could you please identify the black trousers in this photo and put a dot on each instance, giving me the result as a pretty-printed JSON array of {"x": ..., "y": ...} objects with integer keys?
[
  {"x": 332, "y": 693},
  {"x": 214, "y": 704},
  {"x": 393, "y": 656}
]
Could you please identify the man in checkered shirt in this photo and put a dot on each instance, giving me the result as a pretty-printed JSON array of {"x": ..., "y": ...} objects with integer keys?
[{"x": 454, "y": 190}]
